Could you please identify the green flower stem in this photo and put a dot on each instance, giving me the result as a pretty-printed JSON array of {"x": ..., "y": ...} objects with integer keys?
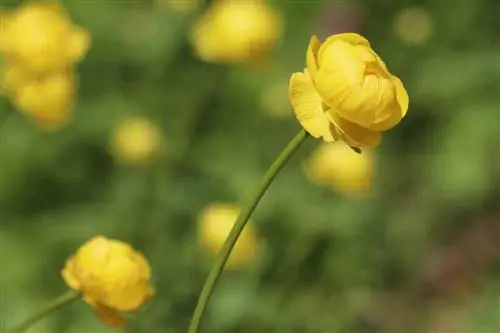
[
  {"x": 238, "y": 227},
  {"x": 45, "y": 310}
]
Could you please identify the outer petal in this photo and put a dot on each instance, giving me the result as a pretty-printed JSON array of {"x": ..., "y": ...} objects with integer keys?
[
  {"x": 394, "y": 112},
  {"x": 401, "y": 95},
  {"x": 69, "y": 275},
  {"x": 79, "y": 44},
  {"x": 350, "y": 38},
  {"x": 355, "y": 135},
  {"x": 307, "y": 105},
  {"x": 312, "y": 55}
]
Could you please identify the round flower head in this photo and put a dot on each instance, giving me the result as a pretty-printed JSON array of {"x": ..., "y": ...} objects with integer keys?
[
  {"x": 135, "y": 141},
  {"x": 111, "y": 276},
  {"x": 41, "y": 37},
  {"x": 236, "y": 31},
  {"x": 48, "y": 100},
  {"x": 337, "y": 166},
  {"x": 346, "y": 92},
  {"x": 216, "y": 222}
]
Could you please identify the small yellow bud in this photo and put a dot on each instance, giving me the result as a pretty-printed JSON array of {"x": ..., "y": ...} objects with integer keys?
[
  {"x": 236, "y": 31},
  {"x": 336, "y": 165},
  {"x": 215, "y": 224},
  {"x": 111, "y": 276},
  {"x": 48, "y": 100},
  {"x": 135, "y": 141},
  {"x": 40, "y": 36}
]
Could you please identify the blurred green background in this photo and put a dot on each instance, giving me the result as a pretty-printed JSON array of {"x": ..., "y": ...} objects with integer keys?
[{"x": 421, "y": 255}]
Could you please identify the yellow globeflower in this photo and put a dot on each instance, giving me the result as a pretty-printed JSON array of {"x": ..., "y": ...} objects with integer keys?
[
  {"x": 347, "y": 92},
  {"x": 215, "y": 223},
  {"x": 236, "y": 31},
  {"x": 48, "y": 100},
  {"x": 135, "y": 141},
  {"x": 111, "y": 276},
  {"x": 41, "y": 37},
  {"x": 337, "y": 166}
]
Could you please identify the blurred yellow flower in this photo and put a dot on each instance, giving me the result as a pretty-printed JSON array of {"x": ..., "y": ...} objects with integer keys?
[
  {"x": 48, "y": 100},
  {"x": 337, "y": 166},
  {"x": 236, "y": 31},
  {"x": 111, "y": 276},
  {"x": 346, "y": 92},
  {"x": 215, "y": 223},
  {"x": 136, "y": 141},
  {"x": 40, "y": 36}
]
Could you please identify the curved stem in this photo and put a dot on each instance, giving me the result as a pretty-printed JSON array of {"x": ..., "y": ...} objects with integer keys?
[
  {"x": 45, "y": 310},
  {"x": 238, "y": 227}
]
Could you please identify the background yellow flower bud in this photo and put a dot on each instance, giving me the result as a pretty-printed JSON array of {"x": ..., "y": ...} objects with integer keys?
[
  {"x": 48, "y": 100},
  {"x": 215, "y": 223},
  {"x": 111, "y": 276},
  {"x": 236, "y": 31},
  {"x": 337, "y": 166},
  {"x": 42, "y": 38},
  {"x": 135, "y": 141}
]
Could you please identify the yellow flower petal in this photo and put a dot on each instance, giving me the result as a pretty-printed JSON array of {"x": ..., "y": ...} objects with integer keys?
[
  {"x": 307, "y": 105},
  {"x": 79, "y": 44},
  {"x": 68, "y": 275},
  {"x": 401, "y": 95},
  {"x": 109, "y": 316},
  {"x": 312, "y": 54},
  {"x": 349, "y": 38},
  {"x": 355, "y": 135},
  {"x": 352, "y": 81}
]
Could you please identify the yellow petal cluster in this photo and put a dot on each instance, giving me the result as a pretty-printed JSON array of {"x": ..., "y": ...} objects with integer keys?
[
  {"x": 39, "y": 47},
  {"x": 135, "y": 141},
  {"x": 347, "y": 92},
  {"x": 215, "y": 224},
  {"x": 236, "y": 31},
  {"x": 112, "y": 277},
  {"x": 338, "y": 167}
]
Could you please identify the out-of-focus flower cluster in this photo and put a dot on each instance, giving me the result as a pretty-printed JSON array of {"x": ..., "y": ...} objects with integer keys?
[
  {"x": 237, "y": 31},
  {"x": 39, "y": 48}
]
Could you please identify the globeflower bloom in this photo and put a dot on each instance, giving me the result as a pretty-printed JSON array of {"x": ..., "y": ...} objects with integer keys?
[
  {"x": 47, "y": 100},
  {"x": 135, "y": 141},
  {"x": 215, "y": 224},
  {"x": 236, "y": 31},
  {"x": 40, "y": 37},
  {"x": 338, "y": 167},
  {"x": 347, "y": 92},
  {"x": 111, "y": 276}
]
